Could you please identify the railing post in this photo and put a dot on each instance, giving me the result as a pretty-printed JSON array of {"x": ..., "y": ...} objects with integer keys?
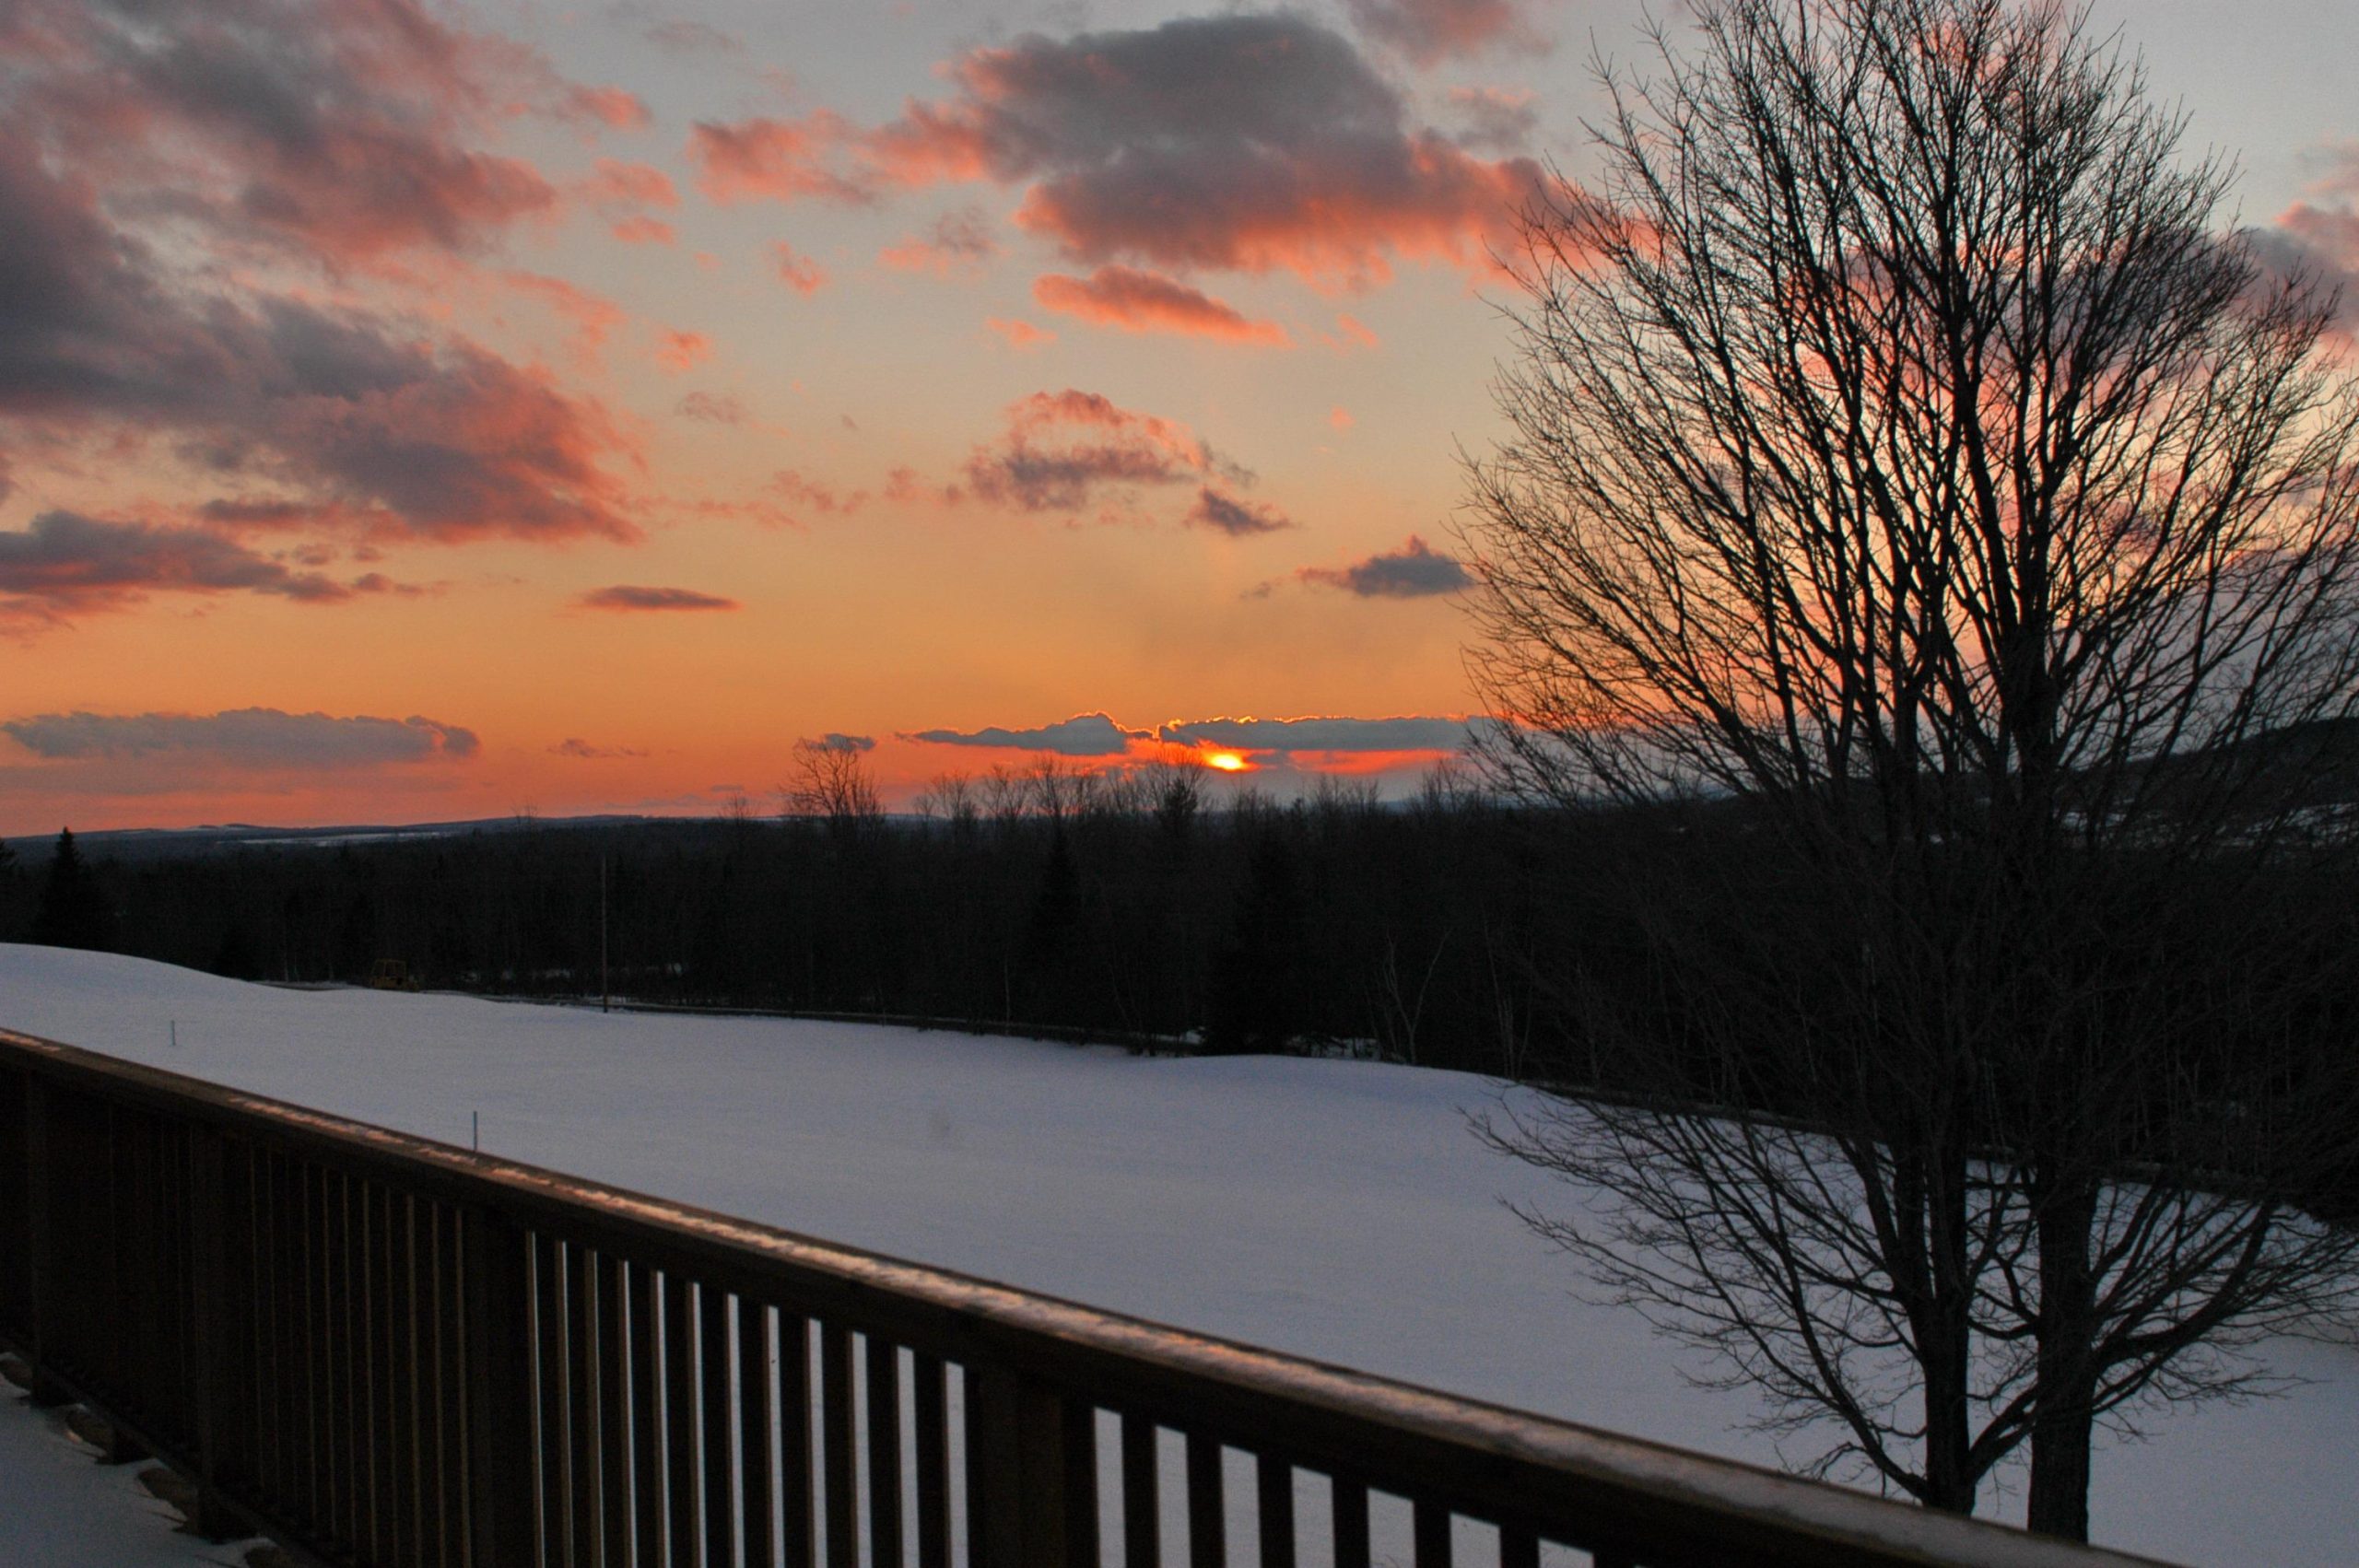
[
  {"x": 217, "y": 1346},
  {"x": 1032, "y": 1498},
  {"x": 502, "y": 1475},
  {"x": 42, "y": 1305}
]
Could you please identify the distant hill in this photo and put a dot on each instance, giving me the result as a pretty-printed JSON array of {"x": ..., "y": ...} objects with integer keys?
[{"x": 135, "y": 844}]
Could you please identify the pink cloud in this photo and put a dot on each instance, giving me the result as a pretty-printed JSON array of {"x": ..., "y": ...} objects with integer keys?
[
  {"x": 1139, "y": 301},
  {"x": 798, "y": 272},
  {"x": 1429, "y": 32},
  {"x": 1019, "y": 335},
  {"x": 643, "y": 231},
  {"x": 680, "y": 352},
  {"x": 773, "y": 160},
  {"x": 1066, "y": 450},
  {"x": 611, "y": 107},
  {"x": 801, "y": 496},
  {"x": 594, "y": 316},
  {"x": 616, "y": 184}
]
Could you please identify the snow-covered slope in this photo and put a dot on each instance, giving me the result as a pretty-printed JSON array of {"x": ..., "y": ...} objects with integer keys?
[{"x": 1338, "y": 1209}]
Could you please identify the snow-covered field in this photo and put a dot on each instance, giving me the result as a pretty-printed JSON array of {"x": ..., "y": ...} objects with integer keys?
[{"x": 1337, "y": 1210}]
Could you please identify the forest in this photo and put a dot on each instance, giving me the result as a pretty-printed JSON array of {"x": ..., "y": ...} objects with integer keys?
[{"x": 1123, "y": 908}]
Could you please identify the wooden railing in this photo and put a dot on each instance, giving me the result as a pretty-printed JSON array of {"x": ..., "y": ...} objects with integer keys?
[{"x": 382, "y": 1350}]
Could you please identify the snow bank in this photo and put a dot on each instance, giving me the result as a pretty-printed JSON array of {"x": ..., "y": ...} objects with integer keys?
[{"x": 1333, "y": 1209}]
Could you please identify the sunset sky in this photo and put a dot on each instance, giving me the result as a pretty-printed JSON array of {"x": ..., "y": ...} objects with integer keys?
[{"x": 413, "y": 412}]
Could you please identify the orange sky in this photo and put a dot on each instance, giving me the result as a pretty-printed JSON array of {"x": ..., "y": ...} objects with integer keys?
[{"x": 417, "y": 413}]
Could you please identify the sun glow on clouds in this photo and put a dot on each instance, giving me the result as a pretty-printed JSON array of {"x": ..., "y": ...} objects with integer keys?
[{"x": 361, "y": 360}]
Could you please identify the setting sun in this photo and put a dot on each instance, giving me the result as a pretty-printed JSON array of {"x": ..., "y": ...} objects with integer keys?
[{"x": 1228, "y": 762}]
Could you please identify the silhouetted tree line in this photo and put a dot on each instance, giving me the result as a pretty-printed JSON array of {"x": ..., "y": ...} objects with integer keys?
[{"x": 1135, "y": 907}]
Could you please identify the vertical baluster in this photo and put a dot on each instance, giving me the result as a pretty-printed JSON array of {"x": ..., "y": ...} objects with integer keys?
[
  {"x": 1351, "y": 1524},
  {"x": 1075, "y": 1425},
  {"x": 508, "y": 1329},
  {"x": 261, "y": 1349},
  {"x": 1430, "y": 1528},
  {"x": 1275, "y": 1493},
  {"x": 646, "y": 1417},
  {"x": 318, "y": 1335},
  {"x": 1207, "y": 1518},
  {"x": 44, "y": 1291},
  {"x": 1142, "y": 1495},
  {"x": 552, "y": 1445},
  {"x": 841, "y": 1482},
  {"x": 797, "y": 1513},
  {"x": 430, "y": 1378},
  {"x": 680, "y": 1419},
  {"x": 221, "y": 1413},
  {"x": 883, "y": 1453},
  {"x": 713, "y": 1380},
  {"x": 1519, "y": 1548},
  {"x": 449, "y": 1382},
  {"x": 757, "y": 1384},
  {"x": 368, "y": 1391},
  {"x": 345, "y": 1414},
  {"x": 581, "y": 1403},
  {"x": 932, "y": 1397},
  {"x": 613, "y": 1412},
  {"x": 401, "y": 1382}
]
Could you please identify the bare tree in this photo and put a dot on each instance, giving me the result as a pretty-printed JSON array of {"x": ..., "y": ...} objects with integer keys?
[
  {"x": 831, "y": 783},
  {"x": 1938, "y": 532}
]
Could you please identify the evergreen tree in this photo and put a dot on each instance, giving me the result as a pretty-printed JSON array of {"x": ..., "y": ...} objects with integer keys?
[{"x": 74, "y": 911}]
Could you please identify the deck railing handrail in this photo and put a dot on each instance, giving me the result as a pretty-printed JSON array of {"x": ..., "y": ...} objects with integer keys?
[{"x": 381, "y": 1349}]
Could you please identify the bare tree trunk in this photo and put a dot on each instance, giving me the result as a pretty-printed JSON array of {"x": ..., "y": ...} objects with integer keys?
[{"x": 2065, "y": 1418}]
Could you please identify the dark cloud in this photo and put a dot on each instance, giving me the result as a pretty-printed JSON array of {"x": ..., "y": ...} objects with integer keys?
[
  {"x": 627, "y": 597},
  {"x": 1238, "y": 519},
  {"x": 1085, "y": 735},
  {"x": 1428, "y": 31},
  {"x": 834, "y": 741},
  {"x": 681, "y": 37},
  {"x": 216, "y": 127},
  {"x": 714, "y": 408},
  {"x": 958, "y": 242},
  {"x": 1142, "y": 301},
  {"x": 1413, "y": 571},
  {"x": 1321, "y": 734},
  {"x": 257, "y": 738},
  {"x": 1494, "y": 119},
  {"x": 1063, "y": 450},
  {"x": 337, "y": 131},
  {"x": 67, "y": 564},
  {"x": 1246, "y": 142},
  {"x": 581, "y": 750}
]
